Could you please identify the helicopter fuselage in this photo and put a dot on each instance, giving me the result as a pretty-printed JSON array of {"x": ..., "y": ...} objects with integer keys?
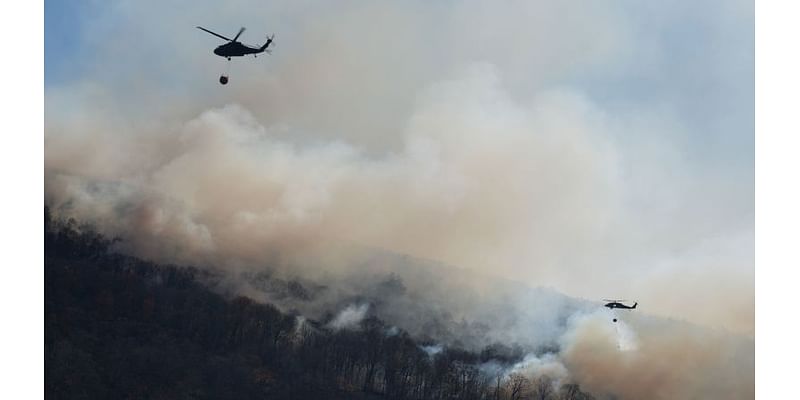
[
  {"x": 235, "y": 49},
  {"x": 615, "y": 304}
]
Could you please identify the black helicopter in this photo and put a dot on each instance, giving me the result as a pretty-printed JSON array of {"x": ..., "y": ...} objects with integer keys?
[
  {"x": 616, "y": 304},
  {"x": 236, "y": 49},
  {"x": 612, "y": 304}
]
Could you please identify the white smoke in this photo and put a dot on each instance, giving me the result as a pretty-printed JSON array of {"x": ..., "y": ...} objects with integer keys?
[
  {"x": 350, "y": 317},
  {"x": 548, "y": 365},
  {"x": 432, "y": 349},
  {"x": 626, "y": 337}
]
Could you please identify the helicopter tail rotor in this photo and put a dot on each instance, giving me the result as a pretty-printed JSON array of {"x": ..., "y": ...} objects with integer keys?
[{"x": 269, "y": 42}]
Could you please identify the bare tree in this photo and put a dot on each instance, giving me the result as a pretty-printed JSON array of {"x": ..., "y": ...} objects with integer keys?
[
  {"x": 543, "y": 388},
  {"x": 571, "y": 391},
  {"x": 517, "y": 384}
]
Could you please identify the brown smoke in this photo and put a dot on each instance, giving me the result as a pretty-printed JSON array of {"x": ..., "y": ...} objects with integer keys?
[
  {"x": 445, "y": 134},
  {"x": 451, "y": 133},
  {"x": 657, "y": 360}
]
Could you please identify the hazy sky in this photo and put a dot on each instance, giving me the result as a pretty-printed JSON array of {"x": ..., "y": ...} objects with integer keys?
[{"x": 603, "y": 148}]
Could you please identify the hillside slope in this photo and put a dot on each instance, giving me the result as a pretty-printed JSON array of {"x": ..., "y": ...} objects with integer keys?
[{"x": 120, "y": 327}]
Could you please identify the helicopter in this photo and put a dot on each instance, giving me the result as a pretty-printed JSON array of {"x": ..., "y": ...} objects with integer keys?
[
  {"x": 612, "y": 304},
  {"x": 616, "y": 304},
  {"x": 236, "y": 49}
]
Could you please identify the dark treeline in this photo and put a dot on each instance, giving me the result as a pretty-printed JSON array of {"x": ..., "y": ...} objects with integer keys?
[{"x": 123, "y": 328}]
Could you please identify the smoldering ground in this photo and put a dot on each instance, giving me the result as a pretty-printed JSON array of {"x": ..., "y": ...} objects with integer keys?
[{"x": 450, "y": 144}]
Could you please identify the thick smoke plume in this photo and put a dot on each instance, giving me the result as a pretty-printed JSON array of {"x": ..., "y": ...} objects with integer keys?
[
  {"x": 468, "y": 134},
  {"x": 668, "y": 360}
]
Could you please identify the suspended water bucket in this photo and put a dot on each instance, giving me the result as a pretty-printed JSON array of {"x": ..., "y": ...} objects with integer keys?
[{"x": 223, "y": 79}]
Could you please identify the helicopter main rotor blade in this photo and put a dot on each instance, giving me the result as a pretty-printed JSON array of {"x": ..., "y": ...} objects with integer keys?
[
  {"x": 216, "y": 34},
  {"x": 237, "y": 35}
]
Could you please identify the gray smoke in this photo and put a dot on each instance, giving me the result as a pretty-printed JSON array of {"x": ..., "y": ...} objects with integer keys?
[{"x": 468, "y": 134}]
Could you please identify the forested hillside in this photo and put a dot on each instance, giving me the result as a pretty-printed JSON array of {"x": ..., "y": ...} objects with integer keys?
[{"x": 123, "y": 328}]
